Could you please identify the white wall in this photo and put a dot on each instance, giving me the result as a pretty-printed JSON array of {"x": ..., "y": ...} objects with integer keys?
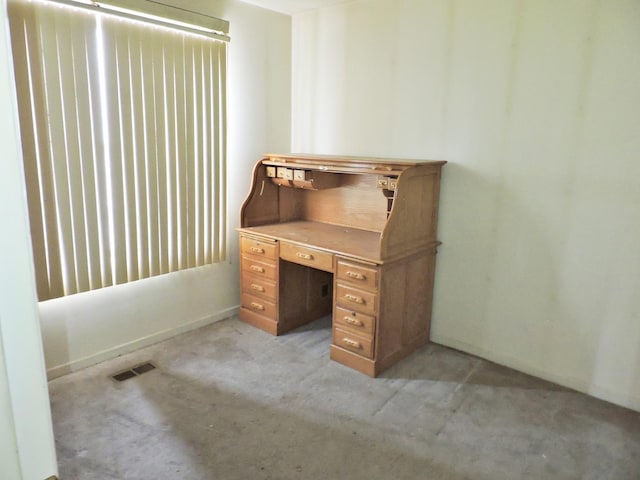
[
  {"x": 26, "y": 437},
  {"x": 536, "y": 105},
  {"x": 87, "y": 328},
  {"x": 9, "y": 460}
]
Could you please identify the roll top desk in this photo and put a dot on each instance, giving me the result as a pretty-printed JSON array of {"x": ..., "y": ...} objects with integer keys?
[{"x": 353, "y": 237}]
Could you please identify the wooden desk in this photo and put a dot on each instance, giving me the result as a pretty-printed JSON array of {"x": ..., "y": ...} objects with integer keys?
[{"x": 351, "y": 236}]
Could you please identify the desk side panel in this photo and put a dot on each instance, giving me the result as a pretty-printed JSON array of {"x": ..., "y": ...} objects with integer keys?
[
  {"x": 406, "y": 297},
  {"x": 261, "y": 207},
  {"x": 413, "y": 220}
]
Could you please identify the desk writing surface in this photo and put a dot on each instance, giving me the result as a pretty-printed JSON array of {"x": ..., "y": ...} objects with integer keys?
[{"x": 352, "y": 242}]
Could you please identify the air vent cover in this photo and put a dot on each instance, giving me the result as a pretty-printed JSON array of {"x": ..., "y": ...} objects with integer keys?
[{"x": 133, "y": 372}]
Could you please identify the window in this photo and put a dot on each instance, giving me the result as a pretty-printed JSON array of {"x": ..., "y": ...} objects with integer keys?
[{"x": 123, "y": 131}]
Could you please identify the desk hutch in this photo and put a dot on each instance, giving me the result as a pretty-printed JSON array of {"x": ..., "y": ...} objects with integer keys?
[{"x": 351, "y": 236}]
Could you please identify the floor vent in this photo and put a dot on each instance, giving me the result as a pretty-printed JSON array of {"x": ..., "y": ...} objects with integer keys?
[{"x": 133, "y": 372}]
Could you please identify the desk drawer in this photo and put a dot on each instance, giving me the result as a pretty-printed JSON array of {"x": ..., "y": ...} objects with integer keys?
[
  {"x": 354, "y": 321},
  {"x": 259, "y": 305},
  {"x": 306, "y": 256},
  {"x": 354, "y": 299},
  {"x": 259, "y": 269},
  {"x": 259, "y": 286},
  {"x": 355, "y": 343},
  {"x": 258, "y": 248},
  {"x": 359, "y": 275}
]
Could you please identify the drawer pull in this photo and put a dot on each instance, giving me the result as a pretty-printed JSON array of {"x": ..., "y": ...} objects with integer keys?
[
  {"x": 356, "y": 275},
  {"x": 354, "y": 321},
  {"x": 257, "y": 250},
  {"x": 257, "y": 288},
  {"x": 256, "y": 268},
  {"x": 354, "y": 298},
  {"x": 351, "y": 343},
  {"x": 306, "y": 256},
  {"x": 257, "y": 306}
]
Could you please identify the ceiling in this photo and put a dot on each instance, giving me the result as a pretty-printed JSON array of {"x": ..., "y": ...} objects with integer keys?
[{"x": 294, "y": 6}]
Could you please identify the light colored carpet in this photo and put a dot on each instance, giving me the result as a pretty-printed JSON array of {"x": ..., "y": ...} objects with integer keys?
[{"x": 230, "y": 402}]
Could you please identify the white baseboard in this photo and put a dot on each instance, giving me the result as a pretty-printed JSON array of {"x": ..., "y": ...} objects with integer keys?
[
  {"x": 586, "y": 387},
  {"x": 137, "y": 344}
]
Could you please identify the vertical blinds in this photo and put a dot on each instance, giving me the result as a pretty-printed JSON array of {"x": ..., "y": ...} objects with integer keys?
[{"x": 123, "y": 130}]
